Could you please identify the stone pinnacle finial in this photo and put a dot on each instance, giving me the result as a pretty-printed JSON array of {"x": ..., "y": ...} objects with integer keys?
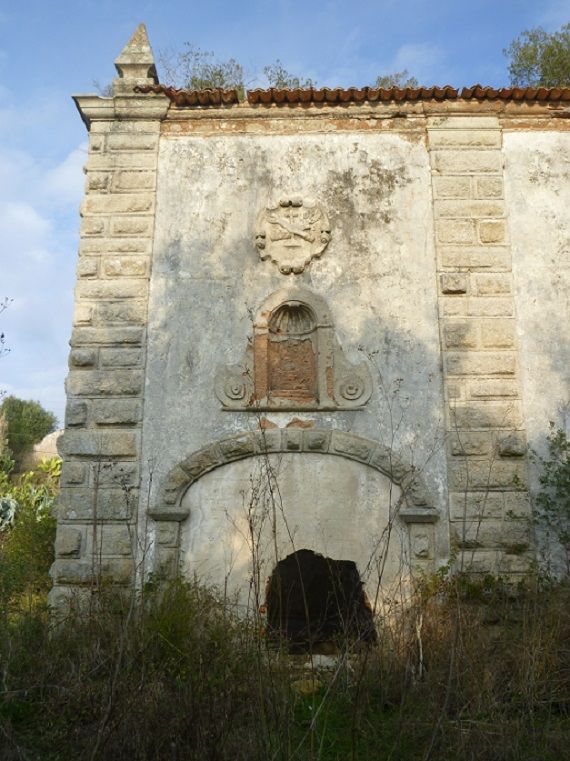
[{"x": 135, "y": 64}]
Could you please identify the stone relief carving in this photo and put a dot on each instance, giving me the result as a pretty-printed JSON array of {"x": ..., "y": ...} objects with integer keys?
[
  {"x": 292, "y": 233},
  {"x": 418, "y": 504},
  {"x": 294, "y": 362}
]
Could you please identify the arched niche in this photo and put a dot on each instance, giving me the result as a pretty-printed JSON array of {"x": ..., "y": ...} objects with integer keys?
[
  {"x": 295, "y": 361},
  {"x": 354, "y": 489}
]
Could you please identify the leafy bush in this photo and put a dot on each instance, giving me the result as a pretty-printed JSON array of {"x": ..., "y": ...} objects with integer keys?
[
  {"x": 553, "y": 499},
  {"x": 28, "y": 533}
]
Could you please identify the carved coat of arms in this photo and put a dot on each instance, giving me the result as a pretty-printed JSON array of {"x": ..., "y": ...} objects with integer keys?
[{"x": 292, "y": 233}]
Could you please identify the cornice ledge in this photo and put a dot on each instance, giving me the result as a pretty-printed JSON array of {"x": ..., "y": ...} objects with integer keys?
[{"x": 122, "y": 107}]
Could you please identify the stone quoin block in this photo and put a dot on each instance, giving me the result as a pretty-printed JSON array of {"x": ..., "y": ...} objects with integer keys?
[
  {"x": 92, "y": 226},
  {"x": 132, "y": 142},
  {"x": 116, "y": 411},
  {"x": 473, "y": 209},
  {"x": 75, "y": 413},
  {"x": 478, "y": 307},
  {"x": 106, "y": 336},
  {"x": 476, "y": 258},
  {"x": 491, "y": 231},
  {"x": 489, "y": 187},
  {"x": 79, "y": 503},
  {"x": 120, "y": 357},
  {"x": 87, "y": 267},
  {"x": 488, "y": 363},
  {"x": 131, "y": 311},
  {"x": 68, "y": 541},
  {"x": 455, "y": 231},
  {"x": 454, "y": 282},
  {"x": 115, "y": 245},
  {"x": 73, "y": 473},
  {"x": 488, "y": 414},
  {"x": 140, "y": 226},
  {"x": 488, "y": 285},
  {"x": 452, "y": 187},
  {"x": 497, "y": 333},
  {"x": 463, "y": 335},
  {"x": 118, "y": 204},
  {"x": 83, "y": 358},
  {"x": 105, "y": 383},
  {"x": 100, "y": 444},
  {"x": 132, "y": 180},
  {"x": 466, "y": 162},
  {"x": 125, "y": 266},
  {"x": 493, "y": 387},
  {"x": 110, "y": 289}
]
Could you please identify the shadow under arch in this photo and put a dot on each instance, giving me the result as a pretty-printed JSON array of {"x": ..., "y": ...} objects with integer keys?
[{"x": 416, "y": 503}]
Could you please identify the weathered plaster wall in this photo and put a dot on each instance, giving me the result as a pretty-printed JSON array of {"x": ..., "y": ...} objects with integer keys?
[
  {"x": 377, "y": 275},
  {"x": 537, "y": 180},
  {"x": 346, "y": 518},
  {"x": 537, "y": 186}
]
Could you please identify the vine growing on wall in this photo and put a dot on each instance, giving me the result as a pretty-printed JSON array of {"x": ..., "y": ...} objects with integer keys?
[{"x": 553, "y": 499}]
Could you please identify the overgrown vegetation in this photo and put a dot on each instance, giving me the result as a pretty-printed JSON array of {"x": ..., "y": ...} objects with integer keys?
[
  {"x": 198, "y": 69},
  {"x": 469, "y": 669},
  {"x": 27, "y": 533},
  {"x": 397, "y": 79},
  {"x": 552, "y": 513}
]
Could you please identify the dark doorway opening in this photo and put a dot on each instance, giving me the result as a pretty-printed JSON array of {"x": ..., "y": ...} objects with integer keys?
[{"x": 317, "y": 603}]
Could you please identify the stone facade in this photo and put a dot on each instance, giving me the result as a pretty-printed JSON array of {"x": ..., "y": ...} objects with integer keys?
[{"x": 264, "y": 284}]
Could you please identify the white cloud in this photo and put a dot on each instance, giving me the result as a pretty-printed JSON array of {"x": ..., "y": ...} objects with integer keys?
[
  {"x": 417, "y": 58},
  {"x": 24, "y": 234},
  {"x": 38, "y": 232},
  {"x": 65, "y": 181}
]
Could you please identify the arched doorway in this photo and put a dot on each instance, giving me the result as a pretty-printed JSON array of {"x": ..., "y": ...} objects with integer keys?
[{"x": 317, "y": 603}]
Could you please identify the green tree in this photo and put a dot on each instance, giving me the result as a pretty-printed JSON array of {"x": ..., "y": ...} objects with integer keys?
[
  {"x": 25, "y": 423},
  {"x": 540, "y": 59},
  {"x": 397, "y": 79}
]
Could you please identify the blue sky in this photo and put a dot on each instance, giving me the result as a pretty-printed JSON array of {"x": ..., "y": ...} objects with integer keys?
[{"x": 51, "y": 49}]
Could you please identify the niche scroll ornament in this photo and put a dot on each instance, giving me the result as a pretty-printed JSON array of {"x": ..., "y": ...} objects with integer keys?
[
  {"x": 294, "y": 361},
  {"x": 292, "y": 233}
]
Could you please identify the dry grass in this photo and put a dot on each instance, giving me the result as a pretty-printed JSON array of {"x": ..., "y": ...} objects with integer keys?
[{"x": 469, "y": 671}]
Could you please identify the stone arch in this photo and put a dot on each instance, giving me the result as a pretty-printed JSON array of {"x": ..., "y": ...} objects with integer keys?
[
  {"x": 304, "y": 296},
  {"x": 417, "y": 504}
]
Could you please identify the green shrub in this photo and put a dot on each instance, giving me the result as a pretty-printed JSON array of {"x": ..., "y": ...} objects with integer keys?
[
  {"x": 27, "y": 541},
  {"x": 553, "y": 499}
]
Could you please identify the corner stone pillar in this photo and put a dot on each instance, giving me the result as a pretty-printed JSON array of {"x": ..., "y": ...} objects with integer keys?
[
  {"x": 489, "y": 504},
  {"x": 102, "y": 442}
]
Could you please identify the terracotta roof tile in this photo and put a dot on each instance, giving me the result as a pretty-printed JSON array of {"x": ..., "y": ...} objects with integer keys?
[
  {"x": 213, "y": 97},
  {"x": 330, "y": 96}
]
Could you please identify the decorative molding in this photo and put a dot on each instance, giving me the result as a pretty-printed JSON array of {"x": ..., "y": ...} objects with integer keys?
[
  {"x": 292, "y": 233},
  {"x": 417, "y": 506},
  {"x": 295, "y": 361}
]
